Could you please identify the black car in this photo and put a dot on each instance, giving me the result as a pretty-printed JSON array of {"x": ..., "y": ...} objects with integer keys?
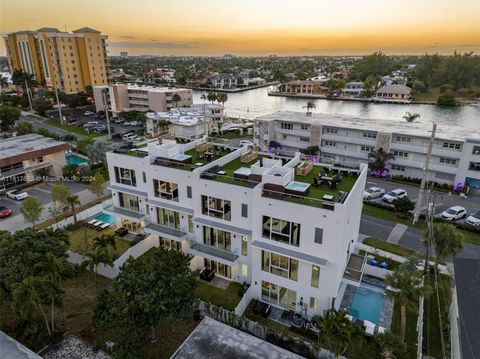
[{"x": 121, "y": 232}]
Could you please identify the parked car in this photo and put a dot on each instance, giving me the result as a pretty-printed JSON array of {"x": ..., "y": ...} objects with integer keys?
[
  {"x": 245, "y": 143},
  {"x": 454, "y": 213},
  {"x": 373, "y": 192},
  {"x": 17, "y": 194},
  {"x": 118, "y": 120},
  {"x": 393, "y": 195},
  {"x": 121, "y": 232},
  {"x": 5, "y": 212},
  {"x": 88, "y": 113},
  {"x": 474, "y": 219},
  {"x": 97, "y": 128},
  {"x": 132, "y": 123},
  {"x": 128, "y": 136},
  {"x": 72, "y": 123},
  {"x": 90, "y": 124}
]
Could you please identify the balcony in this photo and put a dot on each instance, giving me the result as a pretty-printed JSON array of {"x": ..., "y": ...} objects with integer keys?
[
  {"x": 213, "y": 253},
  {"x": 22, "y": 170},
  {"x": 165, "y": 232},
  {"x": 124, "y": 213},
  {"x": 355, "y": 268}
]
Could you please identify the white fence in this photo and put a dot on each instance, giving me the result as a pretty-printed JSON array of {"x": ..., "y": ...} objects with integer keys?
[
  {"x": 420, "y": 328},
  {"x": 454, "y": 316},
  {"x": 103, "y": 270},
  {"x": 243, "y": 304},
  {"x": 375, "y": 271},
  {"x": 137, "y": 250},
  {"x": 80, "y": 216}
]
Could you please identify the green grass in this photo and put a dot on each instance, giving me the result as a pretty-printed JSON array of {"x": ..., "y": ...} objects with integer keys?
[
  {"x": 73, "y": 129},
  {"x": 392, "y": 265},
  {"x": 411, "y": 328},
  {"x": 389, "y": 247},
  {"x": 227, "y": 298},
  {"x": 78, "y": 244},
  {"x": 431, "y": 326}
]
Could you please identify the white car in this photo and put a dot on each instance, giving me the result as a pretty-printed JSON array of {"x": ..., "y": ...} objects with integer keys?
[
  {"x": 128, "y": 136},
  {"x": 246, "y": 143},
  {"x": 393, "y": 195},
  {"x": 90, "y": 124},
  {"x": 373, "y": 192},
  {"x": 88, "y": 113},
  {"x": 16, "y": 194},
  {"x": 474, "y": 219},
  {"x": 454, "y": 213}
]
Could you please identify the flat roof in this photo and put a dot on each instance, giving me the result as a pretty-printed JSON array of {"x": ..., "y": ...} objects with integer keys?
[
  {"x": 11, "y": 349},
  {"x": 21, "y": 148},
  {"x": 417, "y": 128},
  {"x": 212, "y": 339}
]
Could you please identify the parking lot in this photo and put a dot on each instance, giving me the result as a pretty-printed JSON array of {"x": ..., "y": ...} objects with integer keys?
[{"x": 443, "y": 200}]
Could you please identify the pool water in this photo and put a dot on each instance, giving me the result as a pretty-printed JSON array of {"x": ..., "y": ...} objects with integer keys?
[
  {"x": 104, "y": 217},
  {"x": 367, "y": 303},
  {"x": 75, "y": 160},
  {"x": 297, "y": 186},
  {"x": 181, "y": 157}
]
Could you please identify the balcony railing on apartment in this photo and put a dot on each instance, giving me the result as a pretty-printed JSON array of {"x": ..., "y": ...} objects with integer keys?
[
  {"x": 124, "y": 212},
  {"x": 355, "y": 268},
  {"x": 22, "y": 170},
  {"x": 201, "y": 249},
  {"x": 158, "y": 229}
]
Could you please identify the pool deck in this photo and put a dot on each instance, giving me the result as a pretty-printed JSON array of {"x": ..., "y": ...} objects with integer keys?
[{"x": 387, "y": 305}]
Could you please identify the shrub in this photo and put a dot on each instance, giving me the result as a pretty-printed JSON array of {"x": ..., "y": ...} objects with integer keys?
[
  {"x": 446, "y": 100},
  {"x": 403, "y": 205}
]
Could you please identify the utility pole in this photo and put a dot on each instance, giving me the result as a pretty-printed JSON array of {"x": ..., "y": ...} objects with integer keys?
[
  {"x": 425, "y": 173},
  {"x": 105, "y": 105},
  {"x": 59, "y": 107},
  {"x": 29, "y": 96}
]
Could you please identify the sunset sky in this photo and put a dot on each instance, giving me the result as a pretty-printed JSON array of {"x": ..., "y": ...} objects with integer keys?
[{"x": 259, "y": 27}]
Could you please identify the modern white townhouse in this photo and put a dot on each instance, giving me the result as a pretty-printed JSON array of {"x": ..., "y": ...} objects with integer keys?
[
  {"x": 285, "y": 226},
  {"x": 344, "y": 139},
  {"x": 190, "y": 123}
]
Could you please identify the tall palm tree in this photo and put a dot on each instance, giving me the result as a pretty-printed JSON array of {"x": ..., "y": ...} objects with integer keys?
[
  {"x": 72, "y": 201},
  {"x": 337, "y": 333},
  {"x": 54, "y": 269},
  {"x": 390, "y": 345},
  {"x": 59, "y": 234},
  {"x": 447, "y": 241},
  {"x": 95, "y": 257},
  {"x": 222, "y": 98},
  {"x": 176, "y": 98},
  {"x": 105, "y": 240},
  {"x": 212, "y": 96},
  {"x": 310, "y": 105},
  {"x": 410, "y": 117},
  {"x": 407, "y": 286},
  {"x": 26, "y": 299},
  {"x": 20, "y": 78},
  {"x": 379, "y": 157}
]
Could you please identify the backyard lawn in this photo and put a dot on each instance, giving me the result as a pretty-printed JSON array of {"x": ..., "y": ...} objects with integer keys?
[
  {"x": 411, "y": 329},
  {"x": 227, "y": 298},
  {"x": 388, "y": 247},
  {"x": 74, "y": 129},
  {"x": 79, "y": 245}
]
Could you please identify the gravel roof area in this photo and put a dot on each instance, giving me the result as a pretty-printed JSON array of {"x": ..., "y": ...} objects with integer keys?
[{"x": 72, "y": 347}]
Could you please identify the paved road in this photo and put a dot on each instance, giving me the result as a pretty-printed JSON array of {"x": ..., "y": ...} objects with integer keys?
[{"x": 467, "y": 279}]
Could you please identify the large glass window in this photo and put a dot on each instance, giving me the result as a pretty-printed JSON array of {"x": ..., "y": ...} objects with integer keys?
[
  {"x": 315, "y": 276},
  {"x": 217, "y": 238},
  {"x": 168, "y": 218},
  {"x": 128, "y": 201},
  {"x": 281, "y": 231},
  {"x": 165, "y": 190},
  {"x": 219, "y": 268},
  {"x": 280, "y": 265},
  {"x": 215, "y": 207},
  {"x": 125, "y": 176},
  {"x": 278, "y": 295},
  {"x": 244, "y": 245},
  {"x": 170, "y": 244}
]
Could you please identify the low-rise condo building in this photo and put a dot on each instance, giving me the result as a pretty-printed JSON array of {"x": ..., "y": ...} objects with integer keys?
[
  {"x": 21, "y": 158},
  {"x": 125, "y": 97},
  {"x": 344, "y": 139},
  {"x": 285, "y": 226}
]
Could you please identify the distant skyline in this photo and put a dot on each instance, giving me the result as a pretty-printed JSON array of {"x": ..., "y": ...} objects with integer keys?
[{"x": 259, "y": 27}]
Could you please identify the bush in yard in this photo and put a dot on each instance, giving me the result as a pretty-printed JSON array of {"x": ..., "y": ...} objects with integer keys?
[{"x": 403, "y": 205}]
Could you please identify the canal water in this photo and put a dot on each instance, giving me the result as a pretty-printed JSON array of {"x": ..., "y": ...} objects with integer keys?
[{"x": 252, "y": 103}]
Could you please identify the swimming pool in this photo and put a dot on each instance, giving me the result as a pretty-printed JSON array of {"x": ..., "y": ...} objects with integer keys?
[
  {"x": 75, "y": 160},
  {"x": 104, "y": 217},
  {"x": 367, "y": 303},
  {"x": 297, "y": 186}
]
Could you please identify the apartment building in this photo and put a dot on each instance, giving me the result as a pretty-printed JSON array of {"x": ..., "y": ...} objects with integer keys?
[
  {"x": 62, "y": 60},
  {"x": 344, "y": 139},
  {"x": 249, "y": 217},
  {"x": 22, "y": 156},
  {"x": 124, "y": 97},
  {"x": 190, "y": 123}
]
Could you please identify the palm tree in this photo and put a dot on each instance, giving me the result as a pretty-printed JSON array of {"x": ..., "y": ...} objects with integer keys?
[
  {"x": 447, "y": 240},
  {"x": 59, "y": 234},
  {"x": 212, "y": 97},
  {"x": 176, "y": 98},
  {"x": 379, "y": 157},
  {"x": 105, "y": 240},
  {"x": 222, "y": 98},
  {"x": 337, "y": 333},
  {"x": 390, "y": 345},
  {"x": 407, "y": 286},
  {"x": 310, "y": 105},
  {"x": 162, "y": 125},
  {"x": 95, "y": 257},
  {"x": 410, "y": 117},
  {"x": 20, "y": 78},
  {"x": 72, "y": 201},
  {"x": 54, "y": 268},
  {"x": 26, "y": 298}
]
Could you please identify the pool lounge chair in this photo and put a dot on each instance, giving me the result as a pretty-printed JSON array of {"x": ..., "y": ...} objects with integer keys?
[
  {"x": 91, "y": 222},
  {"x": 94, "y": 224},
  {"x": 103, "y": 226},
  {"x": 381, "y": 330},
  {"x": 97, "y": 224},
  {"x": 349, "y": 317},
  {"x": 369, "y": 327}
]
